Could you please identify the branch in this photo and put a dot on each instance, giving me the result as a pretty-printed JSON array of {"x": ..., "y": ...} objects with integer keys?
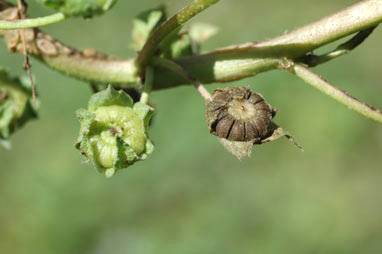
[
  {"x": 324, "y": 86},
  {"x": 227, "y": 64},
  {"x": 30, "y": 23},
  {"x": 298, "y": 42},
  {"x": 168, "y": 27}
]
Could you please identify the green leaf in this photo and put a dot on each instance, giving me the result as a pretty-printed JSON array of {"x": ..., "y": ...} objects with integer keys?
[
  {"x": 84, "y": 8},
  {"x": 110, "y": 97},
  {"x": 144, "y": 24}
]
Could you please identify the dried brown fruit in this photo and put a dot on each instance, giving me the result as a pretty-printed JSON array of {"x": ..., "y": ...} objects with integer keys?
[
  {"x": 241, "y": 118},
  {"x": 237, "y": 114}
]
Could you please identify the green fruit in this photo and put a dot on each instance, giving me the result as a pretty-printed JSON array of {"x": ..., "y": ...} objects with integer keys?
[{"x": 113, "y": 132}]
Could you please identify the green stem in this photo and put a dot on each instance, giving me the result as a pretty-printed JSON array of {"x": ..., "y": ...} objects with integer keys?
[
  {"x": 31, "y": 23},
  {"x": 168, "y": 27},
  {"x": 149, "y": 80},
  {"x": 312, "y": 60},
  {"x": 300, "y": 41},
  {"x": 222, "y": 65},
  {"x": 341, "y": 96}
]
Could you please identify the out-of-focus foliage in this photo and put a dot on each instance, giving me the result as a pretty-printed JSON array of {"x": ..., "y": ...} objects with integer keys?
[
  {"x": 16, "y": 106},
  {"x": 190, "y": 195},
  {"x": 83, "y": 8},
  {"x": 181, "y": 42},
  {"x": 144, "y": 24}
]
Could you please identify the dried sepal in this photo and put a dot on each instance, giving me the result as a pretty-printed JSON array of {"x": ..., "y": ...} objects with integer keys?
[
  {"x": 113, "y": 132},
  {"x": 277, "y": 132},
  {"x": 238, "y": 148}
]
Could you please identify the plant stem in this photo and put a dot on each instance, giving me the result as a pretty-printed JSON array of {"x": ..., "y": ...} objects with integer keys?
[
  {"x": 169, "y": 26},
  {"x": 30, "y": 23},
  {"x": 312, "y": 60},
  {"x": 22, "y": 7},
  {"x": 174, "y": 67},
  {"x": 341, "y": 96},
  {"x": 149, "y": 80},
  {"x": 300, "y": 41},
  {"x": 222, "y": 65}
]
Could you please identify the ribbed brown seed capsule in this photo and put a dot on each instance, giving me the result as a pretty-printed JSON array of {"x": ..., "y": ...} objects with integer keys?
[{"x": 237, "y": 114}]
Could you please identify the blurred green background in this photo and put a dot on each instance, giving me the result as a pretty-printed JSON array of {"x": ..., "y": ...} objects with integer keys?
[{"x": 191, "y": 196}]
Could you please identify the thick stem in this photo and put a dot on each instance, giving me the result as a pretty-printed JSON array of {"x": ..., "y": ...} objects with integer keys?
[
  {"x": 300, "y": 41},
  {"x": 228, "y": 64},
  {"x": 341, "y": 96},
  {"x": 30, "y": 23},
  {"x": 168, "y": 27}
]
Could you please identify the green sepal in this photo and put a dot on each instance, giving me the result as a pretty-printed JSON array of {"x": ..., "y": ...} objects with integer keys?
[
  {"x": 149, "y": 148},
  {"x": 82, "y": 8},
  {"x": 83, "y": 142},
  {"x": 145, "y": 112},
  {"x": 144, "y": 24},
  {"x": 16, "y": 105},
  {"x": 110, "y": 97}
]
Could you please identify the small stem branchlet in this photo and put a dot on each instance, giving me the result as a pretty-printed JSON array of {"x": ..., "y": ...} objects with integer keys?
[
  {"x": 176, "y": 68},
  {"x": 31, "y": 23},
  {"x": 168, "y": 27},
  {"x": 149, "y": 80},
  {"x": 313, "y": 60},
  {"x": 339, "y": 95}
]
